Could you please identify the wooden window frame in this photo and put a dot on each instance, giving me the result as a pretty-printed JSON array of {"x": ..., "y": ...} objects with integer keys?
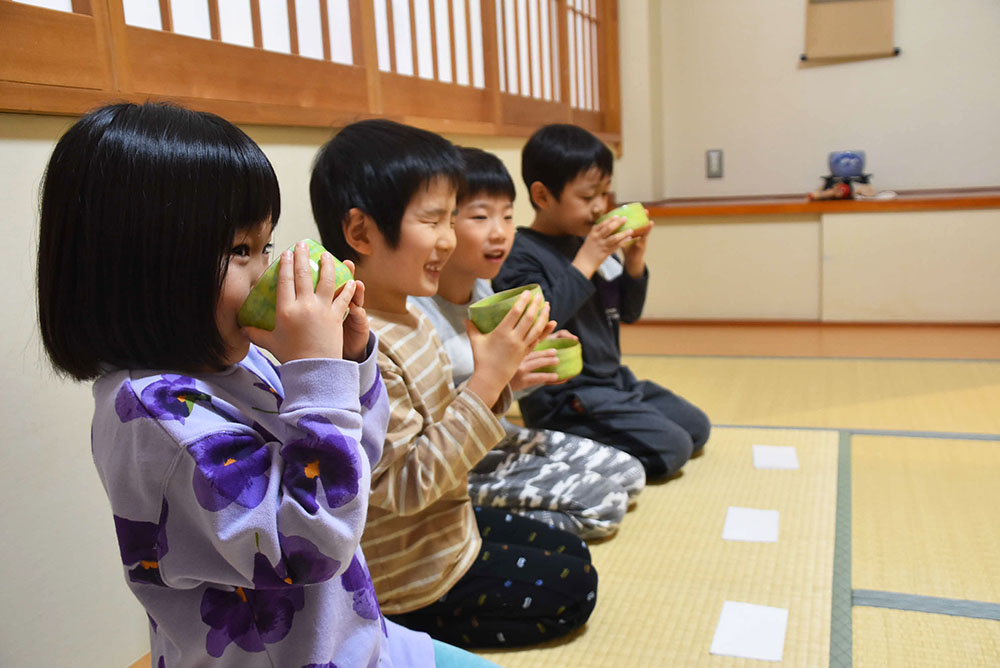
[{"x": 67, "y": 63}]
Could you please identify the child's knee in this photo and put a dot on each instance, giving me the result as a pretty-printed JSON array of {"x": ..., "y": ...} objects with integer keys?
[{"x": 701, "y": 431}]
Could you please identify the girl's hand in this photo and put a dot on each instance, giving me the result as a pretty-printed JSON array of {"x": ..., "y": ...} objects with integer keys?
[
  {"x": 307, "y": 323},
  {"x": 356, "y": 325},
  {"x": 600, "y": 243},
  {"x": 498, "y": 354}
]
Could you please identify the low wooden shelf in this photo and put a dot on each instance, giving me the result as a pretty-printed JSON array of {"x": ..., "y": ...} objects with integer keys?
[{"x": 907, "y": 200}]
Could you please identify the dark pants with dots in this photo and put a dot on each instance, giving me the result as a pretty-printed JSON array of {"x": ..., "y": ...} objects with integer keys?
[
  {"x": 651, "y": 423},
  {"x": 531, "y": 583}
]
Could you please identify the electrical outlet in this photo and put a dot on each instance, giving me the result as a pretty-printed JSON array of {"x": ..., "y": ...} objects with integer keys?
[{"x": 713, "y": 163}]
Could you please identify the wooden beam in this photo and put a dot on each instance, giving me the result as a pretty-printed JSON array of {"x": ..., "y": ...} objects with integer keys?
[
  {"x": 390, "y": 24},
  {"x": 258, "y": 33},
  {"x": 213, "y": 20},
  {"x": 369, "y": 47},
  {"x": 324, "y": 20},
  {"x": 167, "y": 17},
  {"x": 293, "y": 27},
  {"x": 491, "y": 74},
  {"x": 451, "y": 42},
  {"x": 468, "y": 42},
  {"x": 434, "y": 45},
  {"x": 357, "y": 43},
  {"x": 413, "y": 37}
]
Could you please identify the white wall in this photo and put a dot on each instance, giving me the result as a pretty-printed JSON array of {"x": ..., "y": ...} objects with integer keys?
[
  {"x": 64, "y": 596},
  {"x": 65, "y": 602},
  {"x": 731, "y": 79}
]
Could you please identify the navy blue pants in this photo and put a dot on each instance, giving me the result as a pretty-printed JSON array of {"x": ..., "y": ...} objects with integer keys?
[
  {"x": 530, "y": 583},
  {"x": 651, "y": 423}
]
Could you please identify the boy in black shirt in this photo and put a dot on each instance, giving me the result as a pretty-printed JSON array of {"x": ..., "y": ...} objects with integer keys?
[{"x": 568, "y": 173}]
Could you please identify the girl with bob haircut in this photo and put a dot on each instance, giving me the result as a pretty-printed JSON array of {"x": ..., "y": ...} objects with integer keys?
[{"x": 239, "y": 489}]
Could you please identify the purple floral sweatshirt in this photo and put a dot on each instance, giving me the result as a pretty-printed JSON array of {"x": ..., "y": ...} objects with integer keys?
[{"x": 239, "y": 499}]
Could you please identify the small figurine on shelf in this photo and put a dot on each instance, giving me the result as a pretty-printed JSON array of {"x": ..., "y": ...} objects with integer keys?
[{"x": 847, "y": 178}]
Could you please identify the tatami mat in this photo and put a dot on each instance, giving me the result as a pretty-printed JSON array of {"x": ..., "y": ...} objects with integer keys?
[
  {"x": 665, "y": 576},
  {"x": 926, "y": 517},
  {"x": 913, "y": 395},
  {"x": 904, "y": 639}
]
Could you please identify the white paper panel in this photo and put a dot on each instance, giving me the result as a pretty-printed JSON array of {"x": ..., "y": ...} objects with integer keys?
[
  {"x": 381, "y": 35},
  {"x": 310, "y": 28},
  {"x": 478, "y": 68},
  {"x": 190, "y": 17},
  {"x": 425, "y": 55},
  {"x": 58, "y": 5},
  {"x": 341, "y": 46},
  {"x": 442, "y": 30},
  {"x": 235, "y": 24},
  {"x": 522, "y": 47},
  {"x": 510, "y": 46},
  {"x": 143, "y": 14},
  {"x": 274, "y": 26},
  {"x": 535, "y": 48},
  {"x": 461, "y": 43},
  {"x": 401, "y": 33}
]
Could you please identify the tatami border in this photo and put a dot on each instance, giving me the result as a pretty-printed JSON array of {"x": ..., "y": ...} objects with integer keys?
[
  {"x": 841, "y": 629},
  {"x": 947, "y": 435},
  {"x": 989, "y": 360},
  {"x": 955, "y": 607}
]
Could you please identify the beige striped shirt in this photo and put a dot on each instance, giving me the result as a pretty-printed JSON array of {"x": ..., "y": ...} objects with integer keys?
[{"x": 421, "y": 535}]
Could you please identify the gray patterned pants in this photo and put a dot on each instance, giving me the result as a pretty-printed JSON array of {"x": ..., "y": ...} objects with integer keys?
[{"x": 566, "y": 481}]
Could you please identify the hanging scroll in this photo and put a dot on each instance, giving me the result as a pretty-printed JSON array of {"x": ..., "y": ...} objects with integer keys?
[{"x": 838, "y": 29}]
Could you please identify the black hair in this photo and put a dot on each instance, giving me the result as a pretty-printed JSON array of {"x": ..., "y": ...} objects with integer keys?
[
  {"x": 556, "y": 154},
  {"x": 486, "y": 174},
  {"x": 376, "y": 166},
  {"x": 140, "y": 204}
]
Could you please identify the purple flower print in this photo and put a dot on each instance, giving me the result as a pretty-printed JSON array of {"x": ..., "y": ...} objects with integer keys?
[
  {"x": 171, "y": 398},
  {"x": 328, "y": 664},
  {"x": 143, "y": 544},
  {"x": 304, "y": 562},
  {"x": 369, "y": 398},
  {"x": 161, "y": 663},
  {"x": 230, "y": 468},
  {"x": 324, "y": 454},
  {"x": 357, "y": 581},
  {"x": 251, "y": 618},
  {"x": 264, "y": 433},
  {"x": 270, "y": 390},
  {"x": 127, "y": 405}
]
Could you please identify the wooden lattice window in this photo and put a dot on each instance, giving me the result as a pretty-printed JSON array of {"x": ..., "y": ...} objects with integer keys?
[{"x": 476, "y": 66}]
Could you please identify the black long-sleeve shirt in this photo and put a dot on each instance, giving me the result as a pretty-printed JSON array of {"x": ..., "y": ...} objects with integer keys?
[{"x": 590, "y": 308}]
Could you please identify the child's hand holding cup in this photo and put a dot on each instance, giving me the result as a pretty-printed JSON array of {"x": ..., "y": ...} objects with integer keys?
[{"x": 310, "y": 284}]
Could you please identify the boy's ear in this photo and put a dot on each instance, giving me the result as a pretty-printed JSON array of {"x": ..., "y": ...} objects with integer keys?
[
  {"x": 358, "y": 227},
  {"x": 541, "y": 195}
]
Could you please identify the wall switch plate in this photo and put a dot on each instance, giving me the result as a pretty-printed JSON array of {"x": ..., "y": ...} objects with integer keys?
[{"x": 713, "y": 163}]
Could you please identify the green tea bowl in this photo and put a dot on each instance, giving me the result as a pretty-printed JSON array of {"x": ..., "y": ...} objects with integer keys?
[
  {"x": 634, "y": 213},
  {"x": 570, "y": 357},
  {"x": 487, "y": 313},
  {"x": 258, "y": 309}
]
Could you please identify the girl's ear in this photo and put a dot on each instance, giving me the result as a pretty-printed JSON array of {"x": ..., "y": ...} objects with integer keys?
[
  {"x": 540, "y": 195},
  {"x": 358, "y": 228}
]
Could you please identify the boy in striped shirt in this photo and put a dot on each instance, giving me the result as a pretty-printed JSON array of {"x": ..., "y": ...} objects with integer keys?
[{"x": 383, "y": 195}]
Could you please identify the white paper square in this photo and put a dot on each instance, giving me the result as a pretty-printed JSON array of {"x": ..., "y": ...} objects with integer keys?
[
  {"x": 775, "y": 457},
  {"x": 750, "y": 631},
  {"x": 751, "y": 524}
]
